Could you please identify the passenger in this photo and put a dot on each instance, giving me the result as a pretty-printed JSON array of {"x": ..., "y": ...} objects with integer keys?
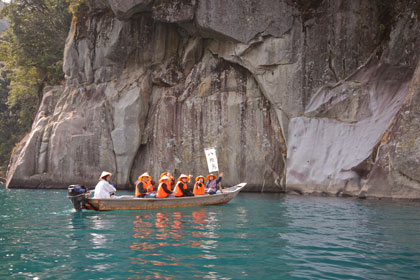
[
  {"x": 104, "y": 189},
  {"x": 199, "y": 188},
  {"x": 181, "y": 188},
  {"x": 144, "y": 185},
  {"x": 172, "y": 180},
  {"x": 211, "y": 185},
  {"x": 164, "y": 189}
]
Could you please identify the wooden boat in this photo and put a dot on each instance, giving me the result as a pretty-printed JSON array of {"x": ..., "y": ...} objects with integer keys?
[{"x": 83, "y": 201}]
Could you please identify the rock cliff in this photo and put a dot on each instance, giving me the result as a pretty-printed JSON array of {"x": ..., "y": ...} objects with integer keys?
[{"x": 297, "y": 96}]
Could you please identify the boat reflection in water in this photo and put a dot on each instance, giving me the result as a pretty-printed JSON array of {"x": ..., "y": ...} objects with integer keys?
[{"x": 166, "y": 243}]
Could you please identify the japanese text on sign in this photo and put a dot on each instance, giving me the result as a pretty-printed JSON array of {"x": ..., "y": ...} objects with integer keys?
[{"x": 211, "y": 159}]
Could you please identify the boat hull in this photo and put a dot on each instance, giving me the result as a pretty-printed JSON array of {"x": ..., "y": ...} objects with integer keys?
[{"x": 132, "y": 203}]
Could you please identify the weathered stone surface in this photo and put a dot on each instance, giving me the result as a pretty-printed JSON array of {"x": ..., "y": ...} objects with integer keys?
[
  {"x": 338, "y": 37},
  {"x": 124, "y": 9},
  {"x": 345, "y": 102},
  {"x": 344, "y": 159},
  {"x": 95, "y": 51},
  {"x": 63, "y": 145},
  {"x": 395, "y": 174},
  {"x": 297, "y": 96},
  {"x": 174, "y": 10},
  {"x": 243, "y": 20},
  {"x": 323, "y": 152},
  {"x": 92, "y": 7},
  {"x": 157, "y": 110},
  {"x": 192, "y": 52},
  {"x": 221, "y": 106}
]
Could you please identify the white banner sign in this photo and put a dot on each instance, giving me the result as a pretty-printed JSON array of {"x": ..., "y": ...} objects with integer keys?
[{"x": 211, "y": 159}]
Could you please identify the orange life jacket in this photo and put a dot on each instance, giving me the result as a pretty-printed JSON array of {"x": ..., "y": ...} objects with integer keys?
[
  {"x": 177, "y": 190},
  {"x": 199, "y": 188},
  {"x": 160, "y": 192},
  {"x": 147, "y": 185}
]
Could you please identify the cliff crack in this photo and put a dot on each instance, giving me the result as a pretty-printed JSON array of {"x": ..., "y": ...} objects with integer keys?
[{"x": 410, "y": 179}]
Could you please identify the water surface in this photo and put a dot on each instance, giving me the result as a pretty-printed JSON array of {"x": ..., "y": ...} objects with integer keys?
[{"x": 256, "y": 236}]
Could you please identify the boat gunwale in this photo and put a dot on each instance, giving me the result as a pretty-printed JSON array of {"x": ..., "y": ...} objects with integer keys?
[{"x": 131, "y": 198}]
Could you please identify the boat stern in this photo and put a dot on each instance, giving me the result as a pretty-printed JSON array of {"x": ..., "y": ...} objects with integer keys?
[{"x": 78, "y": 196}]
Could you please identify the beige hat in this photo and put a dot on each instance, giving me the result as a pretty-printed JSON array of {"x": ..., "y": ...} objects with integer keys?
[
  {"x": 182, "y": 176},
  {"x": 211, "y": 176},
  {"x": 104, "y": 174},
  {"x": 164, "y": 177},
  {"x": 200, "y": 177},
  {"x": 145, "y": 174}
]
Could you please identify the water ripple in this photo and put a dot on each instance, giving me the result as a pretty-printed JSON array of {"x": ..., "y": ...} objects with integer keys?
[{"x": 253, "y": 237}]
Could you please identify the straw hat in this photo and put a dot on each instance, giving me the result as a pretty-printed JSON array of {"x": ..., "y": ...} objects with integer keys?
[
  {"x": 145, "y": 174},
  {"x": 104, "y": 174},
  {"x": 201, "y": 176},
  {"x": 163, "y": 178},
  {"x": 183, "y": 176},
  {"x": 211, "y": 176}
]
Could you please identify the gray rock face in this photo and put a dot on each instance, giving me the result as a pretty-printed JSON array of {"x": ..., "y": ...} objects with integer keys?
[
  {"x": 395, "y": 173},
  {"x": 243, "y": 20},
  {"x": 124, "y": 9},
  {"x": 314, "y": 143},
  {"x": 345, "y": 102},
  {"x": 174, "y": 11},
  {"x": 156, "y": 113},
  {"x": 296, "y": 96}
]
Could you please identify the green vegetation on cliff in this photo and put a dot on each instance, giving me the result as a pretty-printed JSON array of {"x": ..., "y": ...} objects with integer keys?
[
  {"x": 8, "y": 123},
  {"x": 32, "y": 52}
]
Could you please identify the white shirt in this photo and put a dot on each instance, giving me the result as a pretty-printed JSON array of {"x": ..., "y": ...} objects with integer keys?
[{"x": 104, "y": 189}]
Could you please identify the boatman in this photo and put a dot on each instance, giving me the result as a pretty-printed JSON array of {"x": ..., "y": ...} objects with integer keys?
[
  {"x": 164, "y": 189},
  {"x": 104, "y": 189},
  {"x": 181, "y": 188},
  {"x": 199, "y": 185},
  {"x": 144, "y": 185}
]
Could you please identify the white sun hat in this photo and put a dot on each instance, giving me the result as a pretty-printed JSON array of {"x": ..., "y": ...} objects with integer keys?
[
  {"x": 164, "y": 177},
  {"x": 182, "y": 176},
  {"x": 145, "y": 174},
  {"x": 104, "y": 174}
]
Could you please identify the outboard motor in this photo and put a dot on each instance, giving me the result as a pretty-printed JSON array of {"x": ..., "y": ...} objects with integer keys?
[{"x": 77, "y": 195}]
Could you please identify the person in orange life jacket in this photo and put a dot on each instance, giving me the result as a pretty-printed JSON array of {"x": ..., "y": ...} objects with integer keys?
[
  {"x": 172, "y": 180},
  {"x": 164, "y": 189},
  {"x": 181, "y": 188},
  {"x": 199, "y": 188},
  {"x": 143, "y": 185},
  {"x": 212, "y": 182}
]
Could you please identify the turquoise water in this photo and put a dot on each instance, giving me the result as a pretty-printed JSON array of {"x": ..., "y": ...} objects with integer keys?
[{"x": 255, "y": 236}]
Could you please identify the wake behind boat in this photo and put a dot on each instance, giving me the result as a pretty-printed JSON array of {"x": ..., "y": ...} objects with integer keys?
[{"x": 80, "y": 198}]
